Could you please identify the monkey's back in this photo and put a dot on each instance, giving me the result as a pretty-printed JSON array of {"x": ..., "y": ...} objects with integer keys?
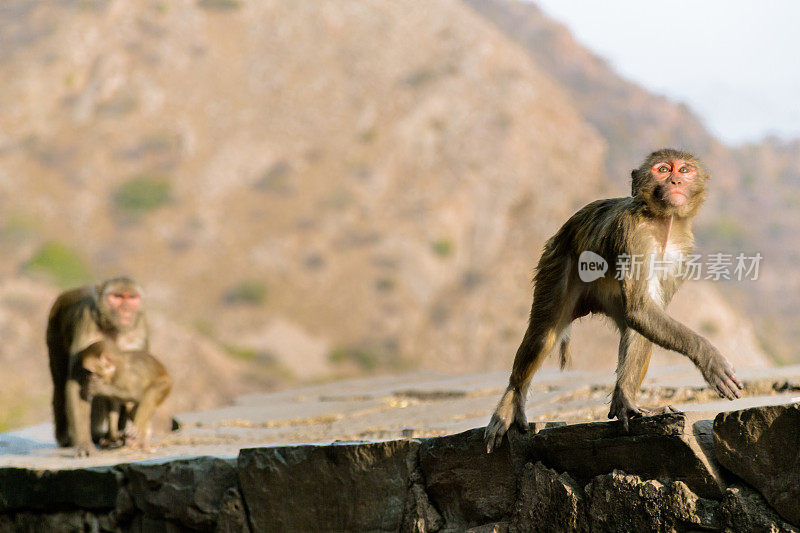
[
  {"x": 63, "y": 315},
  {"x": 137, "y": 370},
  {"x": 602, "y": 227}
]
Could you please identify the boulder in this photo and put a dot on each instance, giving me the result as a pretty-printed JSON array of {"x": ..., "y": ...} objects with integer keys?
[
  {"x": 232, "y": 514},
  {"x": 342, "y": 486},
  {"x": 188, "y": 491},
  {"x": 420, "y": 516},
  {"x": 61, "y": 521},
  {"x": 674, "y": 446},
  {"x": 621, "y": 502},
  {"x": 548, "y": 501},
  {"x": 744, "y": 509},
  {"x": 762, "y": 446},
  {"x": 81, "y": 488},
  {"x": 469, "y": 486}
]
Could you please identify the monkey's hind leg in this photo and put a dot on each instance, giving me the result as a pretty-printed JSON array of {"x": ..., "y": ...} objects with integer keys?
[
  {"x": 634, "y": 358},
  {"x": 551, "y": 313}
]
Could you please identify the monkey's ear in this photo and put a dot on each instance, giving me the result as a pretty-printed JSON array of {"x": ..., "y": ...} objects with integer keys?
[
  {"x": 633, "y": 173},
  {"x": 708, "y": 176}
]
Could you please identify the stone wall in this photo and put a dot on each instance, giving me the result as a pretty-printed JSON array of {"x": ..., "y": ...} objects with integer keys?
[{"x": 674, "y": 472}]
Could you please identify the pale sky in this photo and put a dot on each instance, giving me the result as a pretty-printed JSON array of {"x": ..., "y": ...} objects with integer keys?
[{"x": 735, "y": 63}]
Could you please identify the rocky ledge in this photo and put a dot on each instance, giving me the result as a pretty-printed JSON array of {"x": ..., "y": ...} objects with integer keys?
[{"x": 737, "y": 471}]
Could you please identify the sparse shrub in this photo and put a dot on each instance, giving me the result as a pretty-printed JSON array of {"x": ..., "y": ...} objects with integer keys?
[
  {"x": 443, "y": 247},
  {"x": 420, "y": 77},
  {"x": 276, "y": 179},
  {"x": 18, "y": 228},
  {"x": 218, "y": 4},
  {"x": 362, "y": 357},
  {"x": 60, "y": 263},
  {"x": 337, "y": 199},
  {"x": 709, "y": 327},
  {"x": 241, "y": 352},
  {"x": 314, "y": 261},
  {"x": 471, "y": 279},
  {"x": 157, "y": 143},
  {"x": 142, "y": 194},
  {"x": 261, "y": 364},
  {"x": 203, "y": 327},
  {"x": 248, "y": 292},
  {"x": 384, "y": 284},
  {"x": 367, "y": 136},
  {"x": 118, "y": 105}
]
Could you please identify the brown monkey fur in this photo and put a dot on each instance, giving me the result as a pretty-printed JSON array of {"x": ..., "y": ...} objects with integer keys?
[
  {"x": 667, "y": 191},
  {"x": 111, "y": 311},
  {"x": 133, "y": 378}
]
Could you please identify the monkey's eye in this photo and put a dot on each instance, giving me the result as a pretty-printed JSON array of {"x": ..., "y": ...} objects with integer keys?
[{"x": 663, "y": 168}]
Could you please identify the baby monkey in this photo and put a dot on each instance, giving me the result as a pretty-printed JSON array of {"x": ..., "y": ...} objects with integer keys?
[
  {"x": 131, "y": 379},
  {"x": 654, "y": 224}
]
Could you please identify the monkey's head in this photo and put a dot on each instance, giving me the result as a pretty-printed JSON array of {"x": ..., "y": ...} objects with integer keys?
[
  {"x": 670, "y": 182},
  {"x": 119, "y": 302},
  {"x": 97, "y": 360}
]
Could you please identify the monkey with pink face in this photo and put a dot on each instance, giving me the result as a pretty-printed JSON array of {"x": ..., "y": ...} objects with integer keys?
[
  {"x": 112, "y": 311},
  {"x": 655, "y": 221}
]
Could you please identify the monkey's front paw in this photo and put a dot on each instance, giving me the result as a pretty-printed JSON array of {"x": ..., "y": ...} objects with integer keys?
[
  {"x": 493, "y": 435},
  {"x": 719, "y": 373},
  {"x": 624, "y": 411},
  {"x": 509, "y": 412},
  {"x": 84, "y": 449}
]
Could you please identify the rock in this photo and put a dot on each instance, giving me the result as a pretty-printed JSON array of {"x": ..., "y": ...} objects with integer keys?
[
  {"x": 744, "y": 509},
  {"x": 621, "y": 502},
  {"x": 188, "y": 491},
  {"x": 469, "y": 486},
  {"x": 548, "y": 501},
  {"x": 347, "y": 486},
  {"x": 232, "y": 514},
  {"x": 419, "y": 515},
  {"x": 675, "y": 446},
  {"x": 83, "y": 488},
  {"x": 760, "y": 445},
  {"x": 497, "y": 527},
  {"x": 65, "y": 521},
  {"x": 147, "y": 523}
]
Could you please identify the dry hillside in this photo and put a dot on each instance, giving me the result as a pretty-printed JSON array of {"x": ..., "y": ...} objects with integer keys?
[{"x": 318, "y": 189}]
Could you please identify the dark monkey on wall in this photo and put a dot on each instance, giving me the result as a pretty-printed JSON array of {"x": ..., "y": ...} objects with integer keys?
[
  {"x": 655, "y": 221},
  {"x": 112, "y": 311}
]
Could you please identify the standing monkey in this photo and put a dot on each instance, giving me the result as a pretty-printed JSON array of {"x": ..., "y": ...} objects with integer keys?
[
  {"x": 654, "y": 222},
  {"x": 112, "y": 311},
  {"x": 131, "y": 378}
]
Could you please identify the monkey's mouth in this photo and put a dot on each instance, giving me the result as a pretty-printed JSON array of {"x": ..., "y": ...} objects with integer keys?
[
  {"x": 677, "y": 198},
  {"x": 125, "y": 317}
]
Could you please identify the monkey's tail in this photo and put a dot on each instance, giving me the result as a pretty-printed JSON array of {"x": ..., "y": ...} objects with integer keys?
[{"x": 563, "y": 350}]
